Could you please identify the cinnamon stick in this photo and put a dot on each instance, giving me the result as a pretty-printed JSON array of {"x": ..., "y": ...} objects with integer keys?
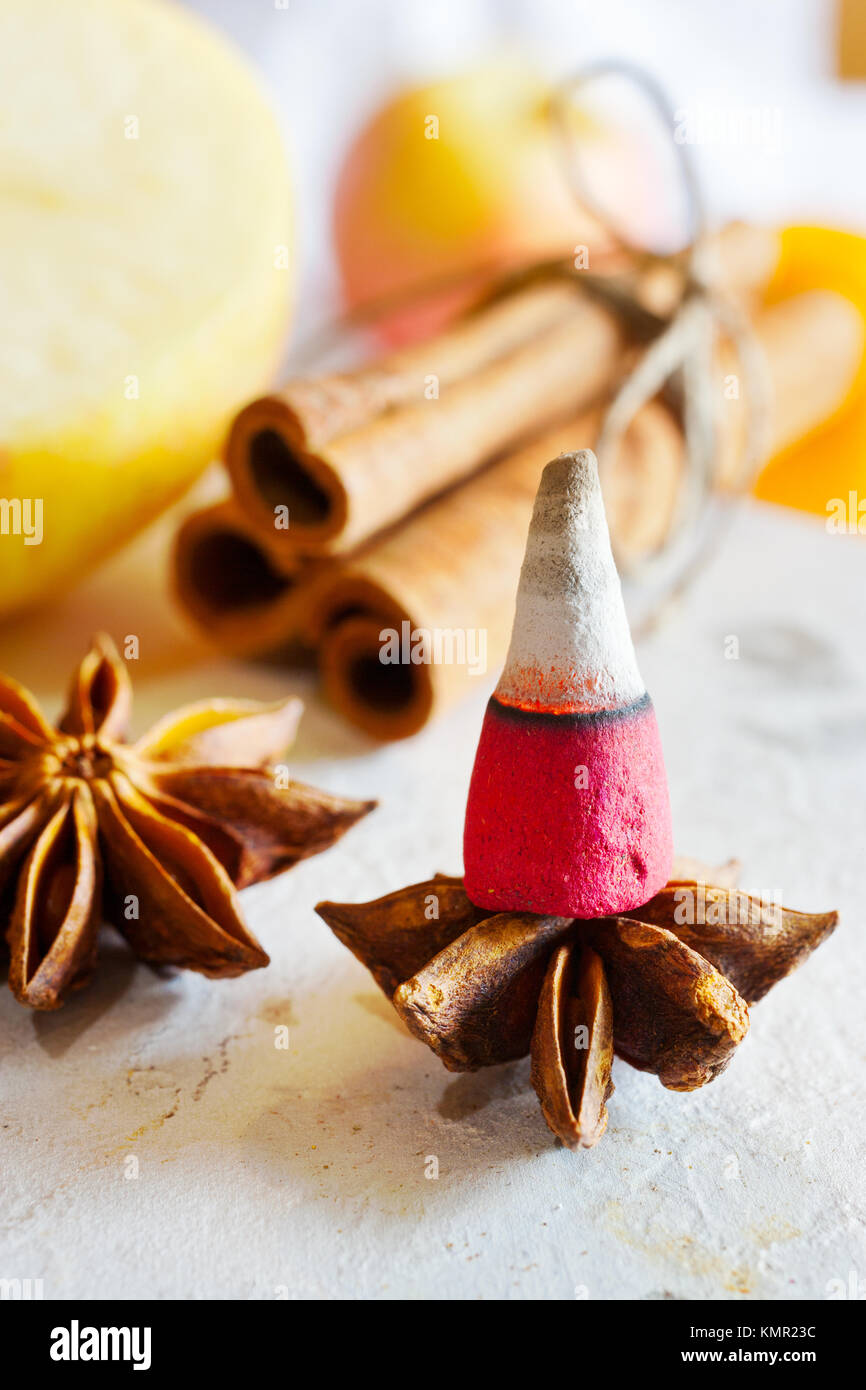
[
  {"x": 315, "y": 410},
  {"x": 813, "y": 345},
  {"x": 360, "y": 482},
  {"x": 739, "y": 260},
  {"x": 452, "y": 568},
  {"x": 247, "y": 598},
  {"x": 350, "y": 453}
]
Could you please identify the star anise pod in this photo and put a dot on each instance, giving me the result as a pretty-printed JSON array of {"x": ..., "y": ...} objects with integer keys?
[
  {"x": 154, "y": 837},
  {"x": 666, "y": 987}
]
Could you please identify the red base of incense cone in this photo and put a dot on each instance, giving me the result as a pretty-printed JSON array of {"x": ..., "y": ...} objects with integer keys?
[{"x": 568, "y": 814}]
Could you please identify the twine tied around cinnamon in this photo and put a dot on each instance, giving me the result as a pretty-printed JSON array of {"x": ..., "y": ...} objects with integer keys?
[
  {"x": 678, "y": 343},
  {"x": 679, "y": 357}
]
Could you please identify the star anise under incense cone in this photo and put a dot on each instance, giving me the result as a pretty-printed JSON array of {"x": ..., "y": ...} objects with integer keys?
[
  {"x": 667, "y": 986},
  {"x": 154, "y": 837}
]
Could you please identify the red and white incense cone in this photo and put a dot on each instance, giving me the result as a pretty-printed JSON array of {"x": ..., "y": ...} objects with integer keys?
[{"x": 568, "y": 810}]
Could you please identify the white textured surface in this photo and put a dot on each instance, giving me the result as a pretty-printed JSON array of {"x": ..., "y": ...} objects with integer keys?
[
  {"x": 261, "y": 1172},
  {"x": 571, "y": 645}
]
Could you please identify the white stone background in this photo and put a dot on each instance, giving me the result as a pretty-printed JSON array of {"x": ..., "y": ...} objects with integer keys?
[{"x": 263, "y": 1173}]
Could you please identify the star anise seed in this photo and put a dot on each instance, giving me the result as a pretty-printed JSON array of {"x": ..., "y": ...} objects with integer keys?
[
  {"x": 154, "y": 837},
  {"x": 669, "y": 997},
  {"x": 673, "y": 1013},
  {"x": 406, "y": 929},
  {"x": 475, "y": 1003},
  {"x": 754, "y": 943},
  {"x": 572, "y": 1046}
]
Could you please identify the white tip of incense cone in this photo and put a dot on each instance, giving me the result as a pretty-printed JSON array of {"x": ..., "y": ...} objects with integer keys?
[{"x": 571, "y": 647}]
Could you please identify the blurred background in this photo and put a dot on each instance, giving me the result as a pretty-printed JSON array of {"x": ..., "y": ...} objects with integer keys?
[
  {"x": 329, "y": 67},
  {"x": 210, "y": 182}
]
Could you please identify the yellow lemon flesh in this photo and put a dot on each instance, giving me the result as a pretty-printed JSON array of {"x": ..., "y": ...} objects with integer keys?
[{"x": 144, "y": 246}]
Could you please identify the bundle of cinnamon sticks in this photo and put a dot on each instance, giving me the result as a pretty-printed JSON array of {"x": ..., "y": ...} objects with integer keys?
[{"x": 378, "y": 516}]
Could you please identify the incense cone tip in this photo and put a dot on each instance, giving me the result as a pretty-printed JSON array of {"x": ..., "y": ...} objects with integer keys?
[
  {"x": 570, "y": 473},
  {"x": 569, "y": 495},
  {"x": 571, "y": 648}
]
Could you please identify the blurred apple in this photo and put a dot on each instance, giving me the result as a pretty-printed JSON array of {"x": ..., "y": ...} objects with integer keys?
[{"x": 461, "y": 174}]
